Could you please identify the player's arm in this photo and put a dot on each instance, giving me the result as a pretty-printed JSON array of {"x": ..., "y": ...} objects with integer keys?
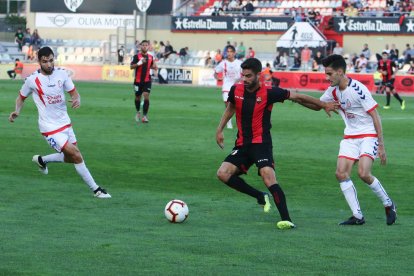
[
  {"x": 228, "y": 113},
  {"x": 313, "y": 103},
  {"x": 395, "y": 70},
  {"x": 378, "y": 128},
  {"x": 75, "y": 98},
  {"x": 217, "y": 70},
  {"x": 135, "y": 63},
  {"x": 18, "y": 108},
  {"x": 155, "y": 68}
]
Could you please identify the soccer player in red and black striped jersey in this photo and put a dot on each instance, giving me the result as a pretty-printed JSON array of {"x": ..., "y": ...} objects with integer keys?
[
  {"x": 252, "y": 102},
  {"x": 143, "y": 62},
  {"x": 389, "y": 69}
]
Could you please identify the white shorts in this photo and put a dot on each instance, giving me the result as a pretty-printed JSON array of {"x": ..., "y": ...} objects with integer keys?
[
  {"x": 354, "y": 149},
  {"x": 59, "y": 140},
  {"x": 225, "y": 95}
]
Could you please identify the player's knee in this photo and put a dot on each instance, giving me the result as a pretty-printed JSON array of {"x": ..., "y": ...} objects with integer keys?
[
  {"x": 341, "y": 175},
  {"x": 223, "y": 175},
  {"x": 268, "y": 175},
  {"x": 365, "y": 175}
]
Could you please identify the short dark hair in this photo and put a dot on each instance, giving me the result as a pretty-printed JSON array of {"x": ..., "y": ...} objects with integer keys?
[
  {"x": 231, "y": 47},
  {"x": 144, "y": 41},
  {"x": 17, "y": 59},
  {"x": 335, "y": 62},
  {"x": 253, "y": 64},
  {"x": 44, "y": 52}
]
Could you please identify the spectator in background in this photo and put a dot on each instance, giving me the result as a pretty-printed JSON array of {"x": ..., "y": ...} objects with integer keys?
[
  {"x": 248, "y": 9},
  {"x": 251, "y": 53},
  {"x": 411, "y": 70},
  {"x": 156, "y": 47},
  {"x": 267, "y": 73},
  {"x": 183, "y": 55},
  {"x": 18, "y": 69},
  {"x": 361, "y": 64},
  {"x": 241, "y": 51},
  {"x": 161, "y": 51},
  {"x": 218, "y": 57},
  {"x": 121, "y": 55},
  {"x": 27, "y": 38},
  {"x": 168, "y": 50},
  {"x": 305, "y": 57},
  {"x": 407, "y": 54},
  {"x": 284, "y": 61},
  {"x": 208, "y": 62},
  {"x": 387, "y": 49},
  {"x": 338, "y": 50},
  {"x": 234, "y": 6},
  {"x": 296, "y": 62},
  {"x": 318, "y": 18},
  {"x": 276, "y": 60},
  {"x": 36, "y": 40},
  {"x": 365, "y": 51},
  {"x": 312, "y": 16},
  {"x": 317, "y": 62},
  {"x": 19, "y": 38},
  {"x": 394, "y": 53}
]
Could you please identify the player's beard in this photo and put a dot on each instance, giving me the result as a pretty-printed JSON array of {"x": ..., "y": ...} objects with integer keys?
[
  {"x": 251, "y": 86},
  {"x": 47, "y": 70}
]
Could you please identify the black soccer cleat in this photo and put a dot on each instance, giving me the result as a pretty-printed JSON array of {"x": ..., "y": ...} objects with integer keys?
[
  {"x": 391, "y": 213},
  {"x": 353, "y": 221}
]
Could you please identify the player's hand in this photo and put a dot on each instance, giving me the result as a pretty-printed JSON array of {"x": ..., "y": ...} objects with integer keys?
[
  {"x": 75, "y": 102},
  {"x": 331, "y": 106},
  {"x": 220, "y": 139},
  {"x": 382, "y": 155},
  {"x": 13, "y": 116}
]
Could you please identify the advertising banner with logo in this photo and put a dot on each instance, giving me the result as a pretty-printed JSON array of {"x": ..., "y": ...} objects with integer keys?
[
  {"x": 117, "y": 73},
  {"x": 374, "y": 25},
  {"x": 84, "y": 21},
  {"x": 404, "y": 83},
  {"x": 76, "y": 72},
  {"x": 176, "y": 75},
  {"x": 102, "y": 6},
  {"x": 231, "y": 24}
]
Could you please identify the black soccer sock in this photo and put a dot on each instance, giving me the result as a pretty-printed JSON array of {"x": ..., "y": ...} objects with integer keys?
[
  {"x": 388, "y": 98},
  {"x": 146, "y": 106},
  {"x": 137, "y": 104},
  {"x": 240, "y": 185},
  {"x": 398, "y": 97},
  {"x": 280, "y": 201}
]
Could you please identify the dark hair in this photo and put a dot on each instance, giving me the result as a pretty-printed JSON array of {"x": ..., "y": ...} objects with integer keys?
[
  {"x": 385, "y": 53},
  {"x": 44, "y": 52},
  {"x": 144, "y": 41},
  {"x": 253, "y": 64},
  {"x": 17, "y": 59},
  {"x": 231, "y": 47},
  {"x": 335, "y": 62}
]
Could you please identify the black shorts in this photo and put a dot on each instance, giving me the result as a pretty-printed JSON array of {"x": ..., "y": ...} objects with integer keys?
[
  {"x": 389, "y": 83},
  {"x": 245, "y": 156},
  {"x": 142, "y": 87}
]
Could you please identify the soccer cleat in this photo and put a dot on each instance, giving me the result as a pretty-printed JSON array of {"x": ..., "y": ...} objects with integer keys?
[
  {"x": 101, "y": 193},
  {"x": 40, "y": 163},
  {"x": 138, "y": 117},
  {"x": 403, "y": 105},
  {"x": 266, "y": 203},
  {"x": 145, "y": 119},
  {"x": 387, "y": 107},
  {"x": 353, "y": 221},
  {"x": 285, "y": 224},
  {"x": 391, "y": 213}
]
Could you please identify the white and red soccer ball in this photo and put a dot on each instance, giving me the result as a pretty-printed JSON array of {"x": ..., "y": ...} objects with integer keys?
[{"x": 176, "y": 211}]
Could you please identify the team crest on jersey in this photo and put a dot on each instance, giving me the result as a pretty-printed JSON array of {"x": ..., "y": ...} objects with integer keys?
[
  {"x": 143, "y": 5},
  {"x": 72, "y": 5},
  {"x": 259, "y": 99},
  {"x": 60, "y": 83},
  {"x": 348, "y": 103}
]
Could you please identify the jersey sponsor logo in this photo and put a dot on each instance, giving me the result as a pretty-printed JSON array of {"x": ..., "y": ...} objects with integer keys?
[
  {"x": 239, "y": 97},
  {"x": 73, "y": 5},
  {"x": 54, "y": 99},
  {"x": 262, "y": 160}
]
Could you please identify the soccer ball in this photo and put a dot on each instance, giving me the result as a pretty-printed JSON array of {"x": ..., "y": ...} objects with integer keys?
[{"x": 176, "y": 211}]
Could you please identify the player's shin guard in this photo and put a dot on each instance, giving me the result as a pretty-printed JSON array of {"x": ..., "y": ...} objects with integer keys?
[
  {"x": 280, "y": 201},
  {"x": 146, "y": 107},
  {"x": 350, "y": 194},
  {"x": 379, "y": 191},
  {"x": 240, "y": 185},
  {"x": 86, "y": 176}
]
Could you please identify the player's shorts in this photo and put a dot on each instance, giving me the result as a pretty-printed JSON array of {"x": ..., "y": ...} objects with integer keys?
[
  {"x": 245, "y": 156},
  {"x": 140, "y": 88},
  {"x": 225, "y": 95},
  {"x": 60, "y": 139},
  {"x": 354, "y": 149},
  {"x": 389, "y": 83}
]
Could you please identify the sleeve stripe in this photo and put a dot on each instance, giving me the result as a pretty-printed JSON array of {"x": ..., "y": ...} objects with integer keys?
[
  {"x": 375, "y": 106},
  {"x": 21, "y": 95},
  {"x": 74, "y": 88}
]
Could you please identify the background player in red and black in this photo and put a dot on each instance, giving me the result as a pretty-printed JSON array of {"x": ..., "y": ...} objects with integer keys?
[
  {"x": 389, "y": 69},
  {"x": 252, "y": 102},
  {"x": 143, "y": 62}
]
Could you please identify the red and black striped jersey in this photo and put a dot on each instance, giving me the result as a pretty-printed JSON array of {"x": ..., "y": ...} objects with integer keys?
[
  {"x": 253, "y": 111},
  {"x": 142, "y": 73},
  {"x": 387, "y": 66}
]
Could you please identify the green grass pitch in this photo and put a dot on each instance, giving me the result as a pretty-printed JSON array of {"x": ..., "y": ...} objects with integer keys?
[{"x": 52, "y": 225}]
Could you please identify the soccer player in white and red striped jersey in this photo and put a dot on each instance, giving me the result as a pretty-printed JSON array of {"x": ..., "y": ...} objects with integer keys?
[
  {"x": 363, "y": 138},
  {"x": 48, "y": 86},
  {"x": 230, "y": 67}
]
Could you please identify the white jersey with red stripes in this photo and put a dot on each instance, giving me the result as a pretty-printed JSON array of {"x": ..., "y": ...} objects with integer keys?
[
  {"x": 231, "y": 73},
  {"x": 49, "y": 97},
  {"x": 356, "y": 101}
]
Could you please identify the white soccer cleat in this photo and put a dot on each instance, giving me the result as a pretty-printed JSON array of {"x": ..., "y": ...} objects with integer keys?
[
  {"x": 40, "y": 163},
  {"x": 101, "y": 193},
  {"x": 138, "y": 117},
  {"x": 145, "y": 119}
]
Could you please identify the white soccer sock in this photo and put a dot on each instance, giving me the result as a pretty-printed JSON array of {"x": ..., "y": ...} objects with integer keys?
[
  {"x": 86, "y": 175},
  {"x": 54, "y": 157},
  {"x": 350, "y": 193},
  {"x": 377, "y": 188}
]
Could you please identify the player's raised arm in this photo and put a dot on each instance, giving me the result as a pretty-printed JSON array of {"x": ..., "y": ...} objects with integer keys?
[{"x": 313, "y": 103}]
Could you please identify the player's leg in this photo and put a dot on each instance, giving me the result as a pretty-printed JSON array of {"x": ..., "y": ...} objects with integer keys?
[
  {"x": 225, "y": 96},
  {"x": 388, "y": 97},
  {"x": 348, "y": 154},
  {"x": 369, "y": 150},
  {"x": 397, "y": 96},
  {"x": 146, "y": 96},
  {"x": 11, "y": 74},
  {"x": 138, "y": 93}
]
